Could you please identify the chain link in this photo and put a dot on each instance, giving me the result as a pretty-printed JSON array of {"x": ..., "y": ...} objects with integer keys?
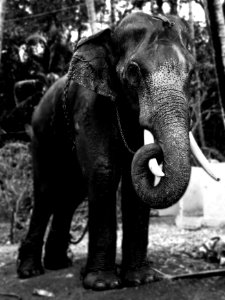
[
  {"x": 121, "y": 131},
  {"x": 68, "y": 121},
  {"x": 66, "y": 113}
]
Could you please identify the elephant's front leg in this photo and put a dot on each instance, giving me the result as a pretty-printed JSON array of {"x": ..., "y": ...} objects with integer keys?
[
  {"x": 100, "y": 269},
  {"x": 135, "y": 216}
]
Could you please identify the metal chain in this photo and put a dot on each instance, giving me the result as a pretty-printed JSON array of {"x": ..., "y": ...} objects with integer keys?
[
  {"x": 71, "y": 135},
  {"x": 121, "y": 131},
  {"x": 66, "y": 113},
  {"x": 67, "y": 118},
  {"x": 68, "y": 122}
]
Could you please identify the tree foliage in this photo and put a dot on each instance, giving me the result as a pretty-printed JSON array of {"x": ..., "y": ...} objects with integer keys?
[
  {"x": 15, "y": 184},
  {"x": 55, "y": 21},
  {"x": 31, "y": 24},
  {"x": 208, "y": 87}
]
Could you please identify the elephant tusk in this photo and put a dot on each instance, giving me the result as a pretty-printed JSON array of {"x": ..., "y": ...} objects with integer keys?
[
  {"x": 197, "y": 152},
  {"x": 153, "y": 164}
]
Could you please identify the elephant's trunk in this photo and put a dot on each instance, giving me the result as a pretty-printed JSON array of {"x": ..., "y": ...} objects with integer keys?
[{"x": 171, "y": 133}]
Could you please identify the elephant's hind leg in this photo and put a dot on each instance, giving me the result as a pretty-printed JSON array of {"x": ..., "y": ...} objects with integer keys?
[
  {"x": 56, "y": 246},
  {"x": 29, "y": 262},
  {"x": 69, "y": 194}
]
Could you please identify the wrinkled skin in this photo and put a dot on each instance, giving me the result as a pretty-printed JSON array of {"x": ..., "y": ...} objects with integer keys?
[{"x": 141, "y": 73}]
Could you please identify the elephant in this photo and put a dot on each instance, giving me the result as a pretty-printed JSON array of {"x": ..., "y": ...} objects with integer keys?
[{"x": 120, "y": 112}]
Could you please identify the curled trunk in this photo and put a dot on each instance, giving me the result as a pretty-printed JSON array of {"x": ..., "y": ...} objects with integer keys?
[{"x": 173, "y": 147}]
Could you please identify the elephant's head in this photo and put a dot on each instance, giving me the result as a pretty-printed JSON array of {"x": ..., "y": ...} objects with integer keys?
[{"x": 149, "y": 58}]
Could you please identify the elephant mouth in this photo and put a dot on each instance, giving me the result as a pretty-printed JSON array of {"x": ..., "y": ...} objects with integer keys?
[{"x": 157, "y": 169}]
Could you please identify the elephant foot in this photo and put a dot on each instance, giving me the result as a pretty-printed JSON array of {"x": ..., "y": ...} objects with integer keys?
[
  {"x": 29, "y": 262},
  {"x": 139, "y": 275},
  {"x": 57, "y": 262},
  {"x": 101, "y": 280},
  {"x": 55, "y": 253}
]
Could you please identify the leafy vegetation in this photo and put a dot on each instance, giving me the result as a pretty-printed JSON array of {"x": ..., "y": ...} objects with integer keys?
[
  {"x": 210, "y": 108},
  {"x": 15, "y": 184}
]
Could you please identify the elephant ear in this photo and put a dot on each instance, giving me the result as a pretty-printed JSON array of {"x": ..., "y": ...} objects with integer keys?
[{"x": 91, "y": 64}]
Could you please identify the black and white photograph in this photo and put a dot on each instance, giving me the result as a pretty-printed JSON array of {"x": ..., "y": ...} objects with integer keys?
[{"x": 112, "y": 149}]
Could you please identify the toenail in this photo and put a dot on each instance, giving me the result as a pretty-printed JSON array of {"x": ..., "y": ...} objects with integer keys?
[{"x": 99, "y": 285}]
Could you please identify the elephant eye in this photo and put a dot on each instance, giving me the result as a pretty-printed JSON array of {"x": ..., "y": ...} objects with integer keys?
[{"x": 133, "y": 74}]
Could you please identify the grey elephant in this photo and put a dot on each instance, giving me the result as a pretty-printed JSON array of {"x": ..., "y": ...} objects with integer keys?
[{"x": 96, "y": 125}]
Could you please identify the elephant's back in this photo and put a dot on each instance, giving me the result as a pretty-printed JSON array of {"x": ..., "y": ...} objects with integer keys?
[{"x": 48, "y": 107}]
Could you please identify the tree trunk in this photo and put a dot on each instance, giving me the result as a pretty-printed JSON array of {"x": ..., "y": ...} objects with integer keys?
[
  {"x": 173, "y": 7},
  {"x": 2, "y": 5},
  {"x": 152, "y": 6},
  {"x": 91, "y": 15},
  {"x": 159, "y": 4},
  {"x": 112, "y": 13},
  {"x": 197, "y": 107},
  {"x": 12, "y": 225},
  {"x": 217, "y": 26}
]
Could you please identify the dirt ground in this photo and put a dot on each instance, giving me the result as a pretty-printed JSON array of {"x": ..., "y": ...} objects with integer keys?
[{"x": 171, "y": 250}]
